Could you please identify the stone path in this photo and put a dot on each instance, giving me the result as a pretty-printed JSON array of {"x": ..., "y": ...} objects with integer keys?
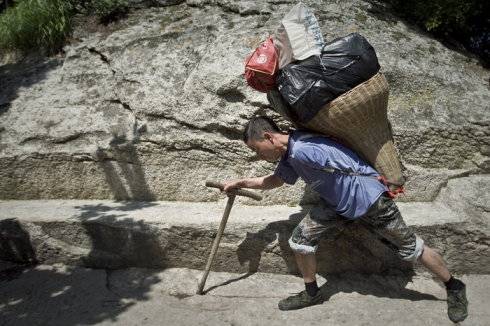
[{"x": 66, "y": 295}]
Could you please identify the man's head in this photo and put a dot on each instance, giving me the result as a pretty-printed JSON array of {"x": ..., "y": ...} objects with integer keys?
[{"x": 263, "y": 136}]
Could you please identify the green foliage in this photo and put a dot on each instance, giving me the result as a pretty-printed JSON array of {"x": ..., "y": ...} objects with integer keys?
[
  {"x": 440, "y": 15},
  {"x": 35, "y": 24},
  {"x": 44, "y": 25},
  {"x": 456, "y": 22}
]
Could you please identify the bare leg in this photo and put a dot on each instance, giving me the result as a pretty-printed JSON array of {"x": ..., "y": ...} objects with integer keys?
[
  {"x": 434, "y": 262},
  {"x": 307, "y": 266}
]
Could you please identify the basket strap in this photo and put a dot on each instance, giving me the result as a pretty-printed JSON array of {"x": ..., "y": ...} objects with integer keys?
[{"x": 392, "y": 192}]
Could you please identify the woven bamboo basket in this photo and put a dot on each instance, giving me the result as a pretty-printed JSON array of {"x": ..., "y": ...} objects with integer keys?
[{"x": 359, "y": 118}]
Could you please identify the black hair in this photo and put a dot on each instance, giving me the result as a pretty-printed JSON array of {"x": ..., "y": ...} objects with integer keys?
[{"x": 255, "y": 128}]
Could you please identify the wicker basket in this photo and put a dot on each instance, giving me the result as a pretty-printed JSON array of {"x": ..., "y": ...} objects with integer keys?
[{"x": 359, "y": 118}]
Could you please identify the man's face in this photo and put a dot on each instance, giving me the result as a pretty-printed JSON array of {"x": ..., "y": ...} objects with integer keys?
[{"x": 267, "y": 148}]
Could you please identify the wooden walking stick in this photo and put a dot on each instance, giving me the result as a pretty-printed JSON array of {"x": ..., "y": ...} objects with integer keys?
[{"x": 224, "y": 219}]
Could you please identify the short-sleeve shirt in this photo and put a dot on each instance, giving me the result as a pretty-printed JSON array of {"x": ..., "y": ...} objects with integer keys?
[{"x": 350, "y": 196}]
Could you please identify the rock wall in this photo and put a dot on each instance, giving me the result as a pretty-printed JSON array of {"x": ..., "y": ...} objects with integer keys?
[{"x": 151, "y": 107}]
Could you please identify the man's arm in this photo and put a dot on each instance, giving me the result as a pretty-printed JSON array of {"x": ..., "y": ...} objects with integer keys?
[{"x": 266, "y": 182}]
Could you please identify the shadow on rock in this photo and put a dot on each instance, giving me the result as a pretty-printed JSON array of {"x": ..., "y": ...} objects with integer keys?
[
  {"x": 23, "y": 74},
  {"x": 123, "y": 170},
  {"x": 118, "y": 241},
  {"x": 15, "y": 243},
  {"x": 69, "y": 295},
  {"x": 272, "y": 239}
]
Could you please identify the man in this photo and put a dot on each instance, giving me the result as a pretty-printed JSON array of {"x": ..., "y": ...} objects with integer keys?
[{"x": 350, "y": 190}]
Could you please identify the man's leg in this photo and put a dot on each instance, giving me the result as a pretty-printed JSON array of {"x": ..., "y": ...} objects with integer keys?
[
  {"x": 304, "y": 242},
  {"x": 307, "y": 266},
  {"x": 387, "y": 221},
  {"x": 456, "y": 289},
  {"x": 434, "y": 262}
]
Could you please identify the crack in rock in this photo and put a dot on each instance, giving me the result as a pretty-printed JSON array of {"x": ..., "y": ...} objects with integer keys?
[
  {"x": 132, "y": 81},
  {"x": 102, "y": 57},
  {"x": 192, "y": 147},
  {"x": 54, "y": 140},
  {"x": 136, "y": 130},
  {"x": 228, "y": 133},
  {"x": 124, "y": 104},
  {"x": 66, "y": 139}
]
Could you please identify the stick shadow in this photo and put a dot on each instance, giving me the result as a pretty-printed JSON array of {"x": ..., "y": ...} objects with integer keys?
[{"x": 123, "y": 170}]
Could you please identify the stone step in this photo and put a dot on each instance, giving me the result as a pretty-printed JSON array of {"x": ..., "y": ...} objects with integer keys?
[
  {"x": 69, "y": 295},
  {"x": 107, "y": 234}
]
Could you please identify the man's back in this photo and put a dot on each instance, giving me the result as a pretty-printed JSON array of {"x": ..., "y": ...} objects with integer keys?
[{"x": 306, "y": 157}]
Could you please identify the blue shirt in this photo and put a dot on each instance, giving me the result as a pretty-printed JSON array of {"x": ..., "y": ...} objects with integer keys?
[{"x": 349, "y": 196}]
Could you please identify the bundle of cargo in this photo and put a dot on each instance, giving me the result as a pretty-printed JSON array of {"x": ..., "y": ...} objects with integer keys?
[
  {"x": 338, "y": 92},
  {"x": 309, "y": 84}
]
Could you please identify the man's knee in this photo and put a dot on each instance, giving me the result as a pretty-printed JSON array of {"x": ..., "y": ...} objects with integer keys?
[
  {"x": 300, "y": 242},
  {"x": 307, "y": 234},
  {"x": 413, "y": 251},
  {"x": 302, "y": 247}
]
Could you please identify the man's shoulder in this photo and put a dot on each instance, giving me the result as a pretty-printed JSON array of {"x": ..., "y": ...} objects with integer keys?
[
  {"x": 320, "y": 149},
  {"x": 309, "y": 154},
  {"x": 305, "y": 142},
  {"x": 311, "y": 138}
]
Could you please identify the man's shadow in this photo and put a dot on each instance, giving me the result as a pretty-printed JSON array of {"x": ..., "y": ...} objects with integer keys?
[
  {"x": 383, "y": 286},
  {"x": 353, "y": 259}
]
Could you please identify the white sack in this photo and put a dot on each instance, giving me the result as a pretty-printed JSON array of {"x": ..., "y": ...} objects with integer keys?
[{"x": 299, "y": 35}]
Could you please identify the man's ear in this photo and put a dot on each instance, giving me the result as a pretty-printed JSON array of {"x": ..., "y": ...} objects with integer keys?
[{"x": 268, "y": 136}]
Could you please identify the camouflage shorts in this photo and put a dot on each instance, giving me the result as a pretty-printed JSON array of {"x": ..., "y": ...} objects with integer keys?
[{"x": 383, "y": 217}]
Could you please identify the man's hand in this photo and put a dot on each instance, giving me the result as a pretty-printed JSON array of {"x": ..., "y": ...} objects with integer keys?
[{"x": 232, "y": 184}]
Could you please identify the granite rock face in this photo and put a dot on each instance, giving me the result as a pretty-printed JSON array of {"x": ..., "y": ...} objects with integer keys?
[{"x": 153, "y": 106}]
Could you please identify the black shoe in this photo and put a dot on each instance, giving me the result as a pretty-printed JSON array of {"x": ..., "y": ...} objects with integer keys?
[
  {"x": 300, "y": 300},
  {"x": 457, "y": 304}
]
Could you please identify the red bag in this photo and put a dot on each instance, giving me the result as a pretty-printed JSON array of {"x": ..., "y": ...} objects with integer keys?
[{"x": 261, "y": 67}]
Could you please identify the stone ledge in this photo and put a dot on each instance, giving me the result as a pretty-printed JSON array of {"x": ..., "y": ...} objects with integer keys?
[{"x": 107, "y": 234}]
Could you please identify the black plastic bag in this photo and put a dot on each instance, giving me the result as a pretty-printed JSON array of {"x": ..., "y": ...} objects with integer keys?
[
  {"x": 280, "y": 106},
  {"x": 348, "y": 61},
  {"x": 310, "y": 84}
]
